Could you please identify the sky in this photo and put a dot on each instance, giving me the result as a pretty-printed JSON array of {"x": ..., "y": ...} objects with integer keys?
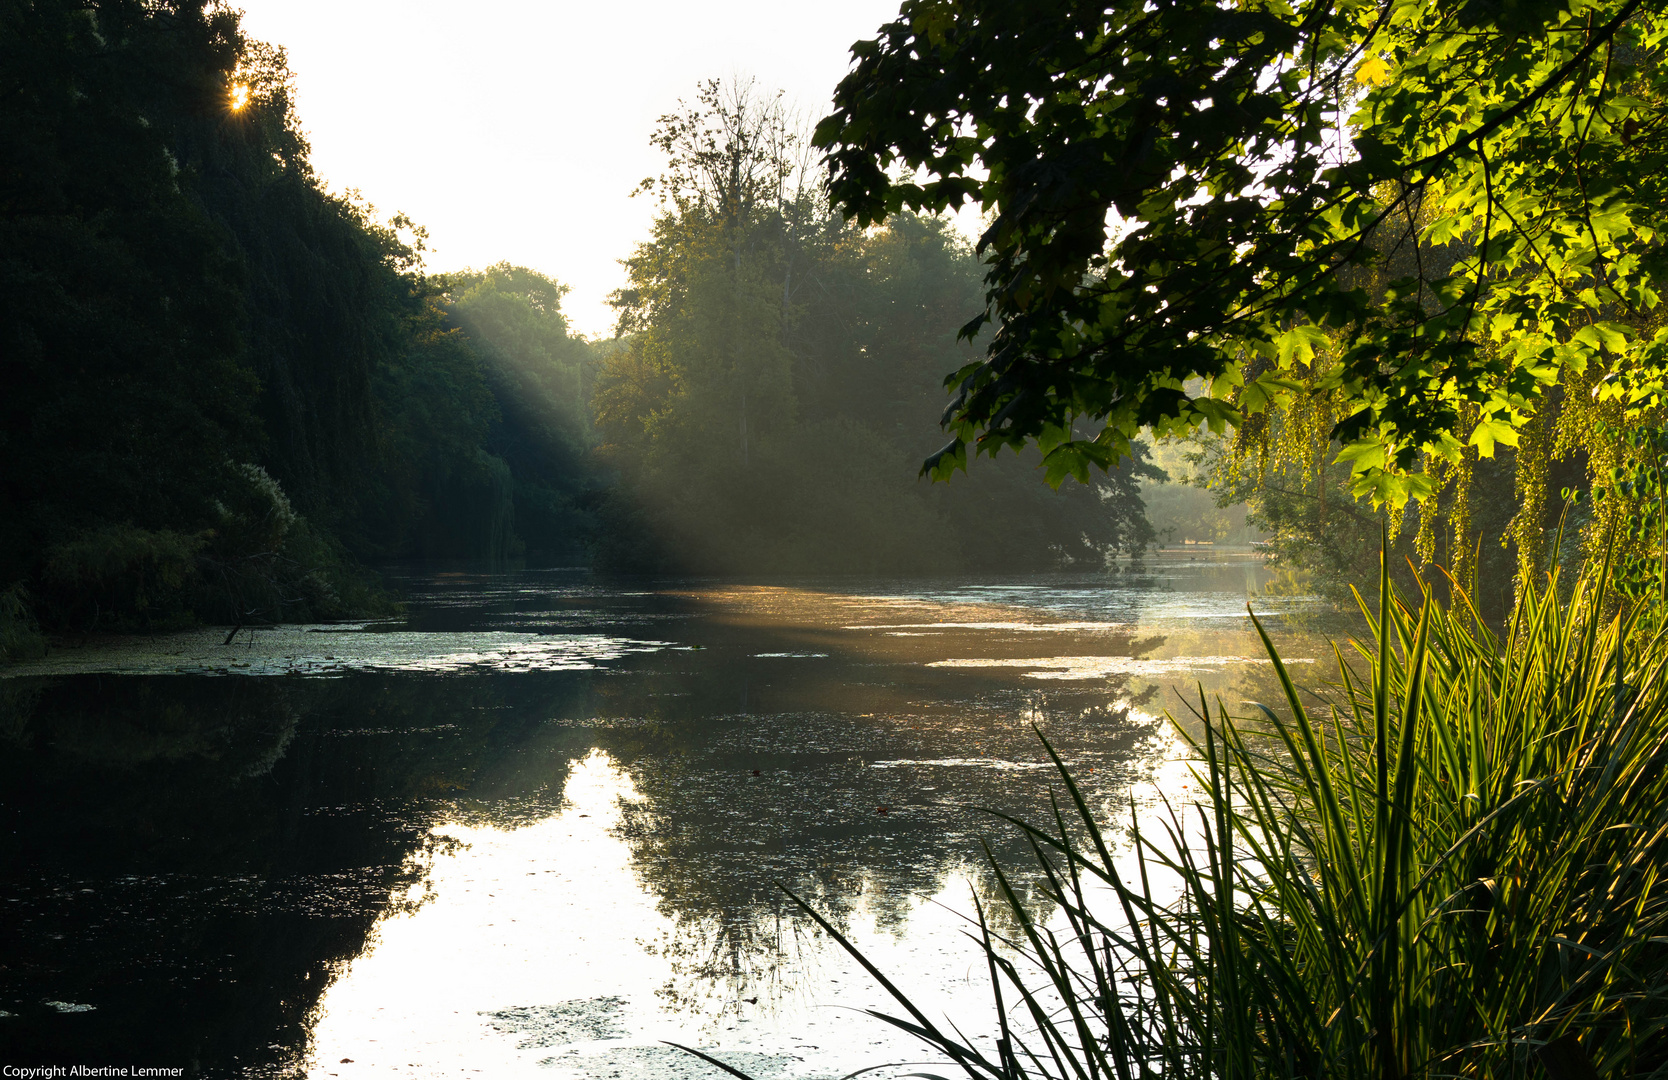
[{"x": 516, "y": 129}]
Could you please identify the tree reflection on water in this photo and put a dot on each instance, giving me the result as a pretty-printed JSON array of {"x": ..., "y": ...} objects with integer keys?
[{"x": 197, "y": 858}]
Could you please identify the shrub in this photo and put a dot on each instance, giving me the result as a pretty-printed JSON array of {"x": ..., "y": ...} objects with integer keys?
[{"x": 121, "y": 576}]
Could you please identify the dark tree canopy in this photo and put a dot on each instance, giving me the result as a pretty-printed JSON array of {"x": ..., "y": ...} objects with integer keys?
[
  {"x": 119, "y": 351},
  {"x": 219, "y": 382}
]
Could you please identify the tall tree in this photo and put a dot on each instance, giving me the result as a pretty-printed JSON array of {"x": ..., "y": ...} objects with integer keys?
[
  {"x": 541, "y": 377},
  {"x": 119, "y": 354}
]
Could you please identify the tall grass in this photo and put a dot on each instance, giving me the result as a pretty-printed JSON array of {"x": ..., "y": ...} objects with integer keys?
[{"x": 1451, "y": 868}]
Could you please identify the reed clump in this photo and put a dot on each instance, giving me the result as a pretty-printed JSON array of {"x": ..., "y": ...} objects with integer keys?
[{"x": 1450, "y": 867}]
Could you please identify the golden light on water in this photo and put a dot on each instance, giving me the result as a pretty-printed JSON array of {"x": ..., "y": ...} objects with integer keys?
[{"x": 240, "y": 96}]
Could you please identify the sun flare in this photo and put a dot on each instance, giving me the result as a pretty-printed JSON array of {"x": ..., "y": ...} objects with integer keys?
[{"x": 239, "y": 97}]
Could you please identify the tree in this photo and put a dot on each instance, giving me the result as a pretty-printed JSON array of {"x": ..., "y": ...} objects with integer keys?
[
  {"x": 218, "y": 379},
  {"x": 765, "y": 341},
  {"x": 125, "y": 403},
  {"x": 541, "y": 377},
  {"x": 1196, "y": 210},
  {"x": 123, "y": 391},
  {"x": 714, "y": 286}
]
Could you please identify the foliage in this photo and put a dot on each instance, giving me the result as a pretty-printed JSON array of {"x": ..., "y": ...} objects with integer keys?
[
  {"x": 1634, "y": 510},
  {"x": 20, "y": 636},
  {"x": 480, "y": 426},
  {"x": 1431, "y": 214},
  {"x": 1182, "y": 508},
  {"x": 326, "y": 288},
  {"x": 222, "y": 382},
  {"x": 1277, "y": 467},
  {"x": 1452, "y": 872},
  {"x": 124, "y": 393},
  {"x": 122, "y": 568},
  {"x": 540, "y": 377},
  {"x": 1491, "y": 521},
  {"x": 764, "y": 341}
]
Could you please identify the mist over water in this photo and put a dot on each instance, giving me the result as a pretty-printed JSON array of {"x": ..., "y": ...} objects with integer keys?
[{"x": 536, "y": 826}]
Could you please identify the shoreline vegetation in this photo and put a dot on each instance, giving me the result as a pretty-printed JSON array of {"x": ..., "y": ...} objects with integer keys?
[
  {"x": 1445, "y": 863},
  {"x": 232, "y": 392},
  {"x": 228, "y": 389}
]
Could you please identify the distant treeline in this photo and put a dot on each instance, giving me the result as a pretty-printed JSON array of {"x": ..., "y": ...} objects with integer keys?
[
  {"x": 226, "y": 389},
  {"x": 780, "y": 371}
]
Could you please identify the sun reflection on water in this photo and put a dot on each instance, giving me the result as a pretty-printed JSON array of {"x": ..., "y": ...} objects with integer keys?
[
  {"x": 499, "y": 935},
  {"x": 537, "y": 951}
]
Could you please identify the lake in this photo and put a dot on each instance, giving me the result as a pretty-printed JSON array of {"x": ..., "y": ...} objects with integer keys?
[{"x": 542, "y": 822}]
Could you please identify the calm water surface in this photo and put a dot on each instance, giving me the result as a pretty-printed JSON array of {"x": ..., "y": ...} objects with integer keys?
[{"x": 536, "y": 826}]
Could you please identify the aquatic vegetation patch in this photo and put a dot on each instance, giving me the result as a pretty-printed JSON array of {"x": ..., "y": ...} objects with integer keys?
[
  {"x": 566, "y": 1022},
  {"x": 324, "y": 651}
]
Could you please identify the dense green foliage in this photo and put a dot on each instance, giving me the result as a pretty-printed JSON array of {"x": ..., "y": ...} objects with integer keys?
[
  {"x": 1433, "y": 224},
  {"x": 221, "y": 382},
  {"x": 483, "y": 433},
  {"x": 1451, "y": 868},
  {"x": 1327, "y": 541},
  {"x": 125, "y": 397},
  {"x": 779, "y": 367}
]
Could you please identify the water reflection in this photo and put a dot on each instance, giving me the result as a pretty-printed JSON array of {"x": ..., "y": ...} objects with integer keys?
[
  {"x": 496, "y": 949},
  {"x": 539, "y": 825},
  {"x": 193, "y": 859}
]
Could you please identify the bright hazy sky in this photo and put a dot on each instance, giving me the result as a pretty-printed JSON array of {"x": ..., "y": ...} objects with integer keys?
[{"x": 517, "y": 129}]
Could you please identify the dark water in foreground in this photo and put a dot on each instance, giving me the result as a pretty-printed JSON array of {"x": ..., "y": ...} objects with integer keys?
[{"x": 536, "y": 826}]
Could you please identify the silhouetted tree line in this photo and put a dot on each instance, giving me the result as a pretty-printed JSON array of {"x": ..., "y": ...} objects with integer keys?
[
  {"x": 226, "y": 389},
  {"x": 224, "y": 386}
]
